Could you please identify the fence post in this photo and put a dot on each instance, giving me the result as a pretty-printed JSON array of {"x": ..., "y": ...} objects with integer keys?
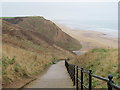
[
  {"x": 76, "y": 77},
  {"x": 90, "y": 79},
  {"x": 65, "y": 62},
  {"x": 110, "y": 77},
  {"x": 82, "y": 78}
]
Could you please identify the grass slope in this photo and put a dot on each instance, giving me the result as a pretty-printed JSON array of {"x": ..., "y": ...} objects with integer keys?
[
  {"x": 48, "y": 30},
  {"x": 102, "y": 62},
  {"x": 26, "y": 53}
]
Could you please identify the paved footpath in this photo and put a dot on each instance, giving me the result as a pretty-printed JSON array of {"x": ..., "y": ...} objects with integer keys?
[{"x": 56, "y": 77}]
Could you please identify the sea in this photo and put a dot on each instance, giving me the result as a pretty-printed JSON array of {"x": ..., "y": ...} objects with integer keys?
[{"x": 108, "y": 27}]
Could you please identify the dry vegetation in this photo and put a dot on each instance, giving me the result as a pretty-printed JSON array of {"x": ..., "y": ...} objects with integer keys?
[
  {"x": 102, "y": 62},
  {"x": 47, "y": 30},
  {"x": 19, "y": 63},
  {"x": 26, "y": 52}
]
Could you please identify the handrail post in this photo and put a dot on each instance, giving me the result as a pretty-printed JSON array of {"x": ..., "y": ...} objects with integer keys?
[
  {"x": 82, "y": 78},
  {"x": 76, "y": 77},
  {"x": 90, "y": 79},
  {"x": 65, "y": 62},
  {"x": 110, "y": 77}
]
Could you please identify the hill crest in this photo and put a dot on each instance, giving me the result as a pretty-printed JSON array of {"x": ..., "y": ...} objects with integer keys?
[{"x": 47, "y": 29}]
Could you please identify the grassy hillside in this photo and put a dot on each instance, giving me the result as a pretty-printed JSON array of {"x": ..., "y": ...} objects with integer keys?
[
  {"x": 102, "y": 62},
  {"x": 26, "y": 53},
  {"x": 48, "y": 30}
]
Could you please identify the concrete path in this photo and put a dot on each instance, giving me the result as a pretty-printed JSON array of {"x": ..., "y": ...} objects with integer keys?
[{"x": 56, "y": 77}]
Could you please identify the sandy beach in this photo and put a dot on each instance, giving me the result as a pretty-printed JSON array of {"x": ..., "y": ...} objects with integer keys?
[{"x": 91, "y": 39}]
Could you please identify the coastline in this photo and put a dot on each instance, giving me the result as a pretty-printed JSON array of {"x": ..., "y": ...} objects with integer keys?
[{"x": 91, "y": 39}]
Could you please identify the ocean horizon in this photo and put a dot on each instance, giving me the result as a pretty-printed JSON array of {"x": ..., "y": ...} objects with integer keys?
[{"x": 108, "y": 27}]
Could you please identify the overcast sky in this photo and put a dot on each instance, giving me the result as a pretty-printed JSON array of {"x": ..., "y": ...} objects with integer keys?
[
  {"x": 63, "y": 10},
  {"x": 59, "y": 0}
]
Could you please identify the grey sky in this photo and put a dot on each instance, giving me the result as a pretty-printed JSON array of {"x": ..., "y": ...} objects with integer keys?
[
  {"x": 59, "y": 1},
  {"x": 62, "y": 10}
]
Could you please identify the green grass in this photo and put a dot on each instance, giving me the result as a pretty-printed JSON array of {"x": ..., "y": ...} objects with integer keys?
[
  {"x": 10, "y": 67},
  {"x": 102, "y": 50},
  {"x": 6, "y": 61},
  {"x": 7, "y": 17},
  {"x": 102, "y": 61},
  {"x": 10, "y": 62}
]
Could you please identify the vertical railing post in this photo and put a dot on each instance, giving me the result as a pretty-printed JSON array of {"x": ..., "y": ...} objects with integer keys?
[
  {"x": 110, "y": 77},
  {"x": 82, "y": 78},
  {"x": 65, "y": 62},
  {"x": 90, "y": 79},
  {"x": 76, "y": 77}
]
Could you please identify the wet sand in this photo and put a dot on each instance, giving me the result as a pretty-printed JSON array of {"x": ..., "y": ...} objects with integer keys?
[
  {"x": 91, "y": 39},
  {"x": 55, "y": 77}
]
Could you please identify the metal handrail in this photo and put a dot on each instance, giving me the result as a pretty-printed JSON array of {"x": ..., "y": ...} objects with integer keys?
[
  {"x": 85, "y": 72},
  {"x": 115, "y": 86},
  {"x": 73, "y": 71},
  {"x": 101, "y": 78}
]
